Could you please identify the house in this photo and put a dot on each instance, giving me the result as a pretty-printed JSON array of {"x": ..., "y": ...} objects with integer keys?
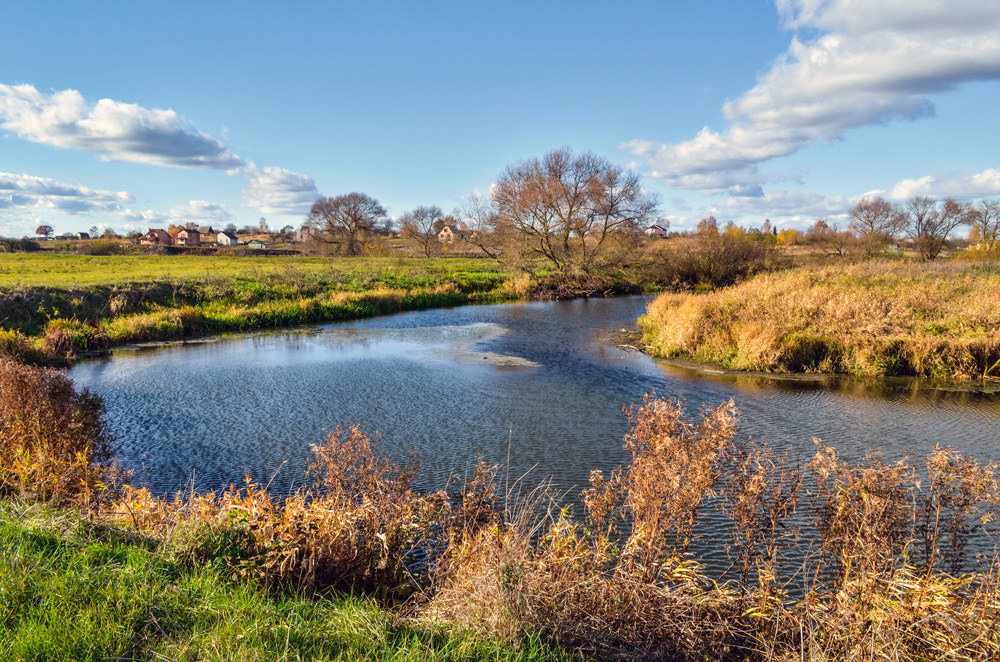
[
  {"x": 226, "y": 238},
  {"x": 256, "y": 243},
  {"x": 305, "y": 233},
  {"x": 656, "y": 231},
  {"x": 156, "y": 237},
  {"x": 450, "y": 234},
  {"x": 188, "y": 237},
  {"x": 82, "y": 235},
  {"x": 207, "y": 231}
]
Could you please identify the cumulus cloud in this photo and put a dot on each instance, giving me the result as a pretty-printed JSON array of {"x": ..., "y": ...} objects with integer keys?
[
  {"x": 116, "y": 131},
  {"x": 870, "y": 61},
  {"x": 278, "y": 191},
  {"x": 128, "y": 132},
  {"x": 961, "y": 186},
  {"x": 784, "y": 207},
  {"x": 26, "y": 192},
  {"x": 200, "y": 211}
]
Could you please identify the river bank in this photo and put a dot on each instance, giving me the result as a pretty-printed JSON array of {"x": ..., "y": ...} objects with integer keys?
[{"x": 937, "y": 321}]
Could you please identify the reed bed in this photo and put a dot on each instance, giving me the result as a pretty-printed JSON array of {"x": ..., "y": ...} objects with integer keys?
[{"x": 936, "y": 320}]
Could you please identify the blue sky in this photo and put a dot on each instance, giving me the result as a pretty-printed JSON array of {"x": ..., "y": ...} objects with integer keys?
[{"x": 132, "y": 115}]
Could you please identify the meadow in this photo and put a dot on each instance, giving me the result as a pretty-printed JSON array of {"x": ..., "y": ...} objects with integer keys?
[
  {"x": 936, "y": 320},
  {"x": 57, "y": 306}
]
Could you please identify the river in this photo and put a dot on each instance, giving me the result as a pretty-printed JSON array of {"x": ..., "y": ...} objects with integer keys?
[{"x": 535, "y": 386}]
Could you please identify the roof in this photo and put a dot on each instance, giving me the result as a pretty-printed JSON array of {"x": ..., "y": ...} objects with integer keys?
[{"x": 226, "y": 233}]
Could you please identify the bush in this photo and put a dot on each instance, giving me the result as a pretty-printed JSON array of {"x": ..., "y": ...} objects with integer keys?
[{"x": 55, "y": 446}]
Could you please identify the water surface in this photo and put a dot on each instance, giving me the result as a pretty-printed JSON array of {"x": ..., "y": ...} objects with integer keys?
[{"x": 536, "y": 382}]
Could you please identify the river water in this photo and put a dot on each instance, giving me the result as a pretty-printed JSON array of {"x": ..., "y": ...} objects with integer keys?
[{"x": 536, "y": 386}]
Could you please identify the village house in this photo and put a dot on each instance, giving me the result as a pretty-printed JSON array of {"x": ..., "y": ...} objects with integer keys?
[
  {"x": 656, "y": 231},
  {"x": 256, "y": 243},
  {"x": 226, "y": 238},
  {"x": 207, "y": 231},
  {"x": 188, "y": 237},
  {"x": 305, "y": 233},
  {"x": 83, "y": 235},
  {"x": 450, "y": 234},
  {"x": 156, "y": 237}
]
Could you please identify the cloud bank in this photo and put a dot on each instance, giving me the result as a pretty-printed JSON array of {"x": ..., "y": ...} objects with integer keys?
[
  {"x": 126, "y": 132},
  {"x": 873, "y": 61},
  {"x": 26, "y": 192}
]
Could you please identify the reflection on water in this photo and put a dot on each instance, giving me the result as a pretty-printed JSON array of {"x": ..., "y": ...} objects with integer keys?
[{"x": 462, "y": 384}]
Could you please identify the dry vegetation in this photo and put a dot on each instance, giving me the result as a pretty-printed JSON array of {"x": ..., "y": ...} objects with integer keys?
[
  {"x": 833, "y": 560},
  {"x": 938, "y": 320}
]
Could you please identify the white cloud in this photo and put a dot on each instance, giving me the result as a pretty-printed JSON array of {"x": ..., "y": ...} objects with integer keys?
[
  {"x": 874, "y": 61},
  {"x": 200, "y": 211},
  {"x": 128, "y": 132},
  {"x": 114, "y": 130},
  {"x": 962, "y": 186},
  {"x": 783, "y": 207},
  {"x": 278, "y": 191},
  {"x": 19, "y": 193}
]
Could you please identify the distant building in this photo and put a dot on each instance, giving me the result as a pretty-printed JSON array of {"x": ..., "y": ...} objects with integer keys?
[
  {"x": 156, "y": 237},
  {"x": 188, "y": 237},
  {"x": 256, "y": 243},
  {"x": 226, "y": 238},
  {"x": 450, "y": 234},
  {"x": 207, "y": 231},
  {"x": 82, "y": 235},
  {"x": 305, "y": 233},
  {"x": 656, "y": 231}
]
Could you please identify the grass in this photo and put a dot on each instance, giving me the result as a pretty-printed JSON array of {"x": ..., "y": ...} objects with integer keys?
[
  {"x": 938, "y": 320},
  {"x": 78, "y": 271},
  {"x": 75, "y": 591},
  {"x": 55, "y": 306}
]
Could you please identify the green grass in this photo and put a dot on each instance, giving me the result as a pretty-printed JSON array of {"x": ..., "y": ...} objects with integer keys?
[
  {"x": 73, "y": 591},
  {"x": 80, "y": 271},
  {"x": 128, "y": 298}
]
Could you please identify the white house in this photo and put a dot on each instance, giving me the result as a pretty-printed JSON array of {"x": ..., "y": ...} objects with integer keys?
[
  {"x": 656, "y": 230},
  {"x": 225, "y": 238},
  {"x": 450, "y": 234}
]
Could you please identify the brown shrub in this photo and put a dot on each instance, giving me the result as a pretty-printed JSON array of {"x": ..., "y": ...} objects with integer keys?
[{"x": 55, "y": 446}]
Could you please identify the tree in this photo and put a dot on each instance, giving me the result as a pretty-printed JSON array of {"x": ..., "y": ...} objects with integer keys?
[
  {"x": 708, "y": 227},
  {"x": 420, "y": 225},
  {"x": 875, "y": 221},
  {"x": 569, "y": 208},
  {"x": 345, "y": 220},
  {"x": 985, "y": 221},
  {"x": 44, "y": 230},
  {"x": 929, "y": 223}
]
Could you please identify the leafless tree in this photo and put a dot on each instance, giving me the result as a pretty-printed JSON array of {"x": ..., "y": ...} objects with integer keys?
[
  {"x": 985, "y": 221},
  {"x": 929, "y": 223},
  {"x": 345, "y": 220},
  {"x": 875, "y": 221},
  {"x": 420, "y": 224},
  {"x": 568, "y": 209}
]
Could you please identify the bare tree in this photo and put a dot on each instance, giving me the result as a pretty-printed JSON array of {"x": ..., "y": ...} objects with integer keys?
[
  {"x": 345, "y": 220},
  {"x": 876, "y": 222},
  {"x": 568, "y": 209},
  {"x": 929, "y": 223},
  {"x": 420, "y": 224},
  {"x": 44, "y": 230},
  {"x": 985, "y": 221}
]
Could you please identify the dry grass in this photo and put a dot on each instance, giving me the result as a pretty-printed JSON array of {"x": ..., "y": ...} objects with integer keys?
[
  {"x": 938, "y": 320},
  {"x": 53, "y": 442},
  {"x": 834, "y": 560}
]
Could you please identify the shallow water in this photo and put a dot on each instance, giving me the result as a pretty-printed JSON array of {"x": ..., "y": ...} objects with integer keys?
[{"x": 535, "y": 382}]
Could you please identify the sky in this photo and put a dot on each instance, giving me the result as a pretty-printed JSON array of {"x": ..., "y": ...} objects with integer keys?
[{"x": 130, "y": 115}]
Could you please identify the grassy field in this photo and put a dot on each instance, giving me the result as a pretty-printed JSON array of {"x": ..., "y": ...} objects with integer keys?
[
  {"x": 58, "y": 305},
  {"x": 70, "y": 590},
  {"x": 76, "y": 271},
  {"x": 939, "y": 320}
]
